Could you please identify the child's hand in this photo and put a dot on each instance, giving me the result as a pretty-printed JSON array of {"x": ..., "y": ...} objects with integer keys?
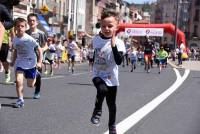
[{"x": 39, "y": 65}]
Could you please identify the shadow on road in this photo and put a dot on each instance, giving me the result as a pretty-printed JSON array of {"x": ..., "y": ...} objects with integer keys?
[
  {"x": 12, "y": 97},
  {"x": 8, "y": 105},
  {"x": 82, "y": 84}
]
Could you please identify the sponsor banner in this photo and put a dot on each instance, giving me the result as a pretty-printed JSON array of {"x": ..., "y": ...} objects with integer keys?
[{"x": 144, "y": 32}]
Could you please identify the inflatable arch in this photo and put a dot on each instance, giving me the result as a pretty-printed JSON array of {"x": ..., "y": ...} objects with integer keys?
[{"x": 168, "y": 28}]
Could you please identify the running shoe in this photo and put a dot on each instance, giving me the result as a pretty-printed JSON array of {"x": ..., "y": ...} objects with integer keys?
[
  {"x": 7, "y": 77},
  {"x": 46, "y": 72},
  {"x": 95, "y": 120},
  {"x": 36, "y": 96},
  {"x": 112, "y": 129},
  {"x": 51, "y": 73},
  {"x": 19, "y": 103}
]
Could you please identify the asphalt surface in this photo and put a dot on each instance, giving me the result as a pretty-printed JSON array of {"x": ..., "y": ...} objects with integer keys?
[{"x": 67, "y": 102}]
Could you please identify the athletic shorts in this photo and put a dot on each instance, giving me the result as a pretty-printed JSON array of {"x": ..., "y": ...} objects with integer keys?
[
  {"x": 148, "y": 56},
  {"x": 91, "y": 60},
  {"x": 4, "y": 52},
  {"x": 50, "y": 61},
  {"x": 28, "y": 73},
  {"x": 72, "y": 57},
  {"x": 133, "y": 61},
  {"x": 162, "y": 61}
]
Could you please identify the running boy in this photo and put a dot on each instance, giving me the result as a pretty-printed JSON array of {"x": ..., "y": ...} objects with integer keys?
[
  {"x": 108, "y": 53},
  {"x": 41, "y": 39},
  {"x": 25, "y": 59}
]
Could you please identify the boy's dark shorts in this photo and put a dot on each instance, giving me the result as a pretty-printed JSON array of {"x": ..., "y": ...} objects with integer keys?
[{"x": 28, "y": 73}]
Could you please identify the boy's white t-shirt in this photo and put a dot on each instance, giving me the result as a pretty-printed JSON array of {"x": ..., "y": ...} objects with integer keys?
[
  {"x": 71, "y": 48},
  {"x": 133, "y": 55},
  {"x": 90, "y": 53},
  {"x": 104, "y": 63},
  {"x": 26, "y": 55},
  {"x": 51, "y": 52}
]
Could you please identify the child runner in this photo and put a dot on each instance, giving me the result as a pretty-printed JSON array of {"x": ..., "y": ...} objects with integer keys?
[
  {"x": 133, "y": 58},
  {"x": 50, "y": 57},
  {"x": 108, "y": 53},
  {"x": 90, "y": 56},
  {"x": 25, "y": 59},
  {"x": 162, "y": 57},
  {"x": 41, "y": 39},
  {"x": 59, "y": 50},
  {"x": 72, "y": 47}
]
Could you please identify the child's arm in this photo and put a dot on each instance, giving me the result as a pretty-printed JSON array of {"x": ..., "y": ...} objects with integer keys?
[
  {"x": 40, "y": 57},
  {"x": 14, "y": 56},
  {"x": 118, "y": 56}
]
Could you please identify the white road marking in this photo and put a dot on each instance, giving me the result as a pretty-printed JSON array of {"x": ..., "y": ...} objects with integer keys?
[
  {"x": 53, "y": 77},
  {"x": 133, "y": 119},
  {"x": 62, "y": 76}
]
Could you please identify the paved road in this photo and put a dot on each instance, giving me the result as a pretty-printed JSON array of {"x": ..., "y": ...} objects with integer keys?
[{"x": 67, "y": 102}]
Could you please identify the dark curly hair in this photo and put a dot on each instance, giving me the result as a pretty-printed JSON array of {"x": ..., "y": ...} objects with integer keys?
[{"x": 109, "y": 13}]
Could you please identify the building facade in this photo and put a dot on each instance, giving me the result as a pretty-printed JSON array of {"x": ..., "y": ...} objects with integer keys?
[{"x": 194, "y": 27}]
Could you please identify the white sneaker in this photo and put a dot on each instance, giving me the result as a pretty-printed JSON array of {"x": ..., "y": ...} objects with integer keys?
[{"x": 7, "y": 77}]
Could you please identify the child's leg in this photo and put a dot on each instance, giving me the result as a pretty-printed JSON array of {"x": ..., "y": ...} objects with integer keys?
[
  {"x": 31, "y": 75},
  {"x": 111, "y": 102},
  {"x": 51, "y": 68},
  {"x": 101, "y": 92},
  {"x": 19, "y": 76},
  {"x": 31, "y": 82}
]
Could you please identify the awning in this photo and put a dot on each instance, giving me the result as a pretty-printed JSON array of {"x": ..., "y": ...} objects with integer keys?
[{"x": 44, "y": 23}]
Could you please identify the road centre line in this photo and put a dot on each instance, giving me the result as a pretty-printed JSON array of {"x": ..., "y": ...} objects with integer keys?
[{"x": 133, "y": 119}]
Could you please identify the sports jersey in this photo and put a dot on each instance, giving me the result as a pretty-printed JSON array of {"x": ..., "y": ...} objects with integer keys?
[
  {"x": 104, "y": 63},
  {"x": 26, "y": 56},
  {"x": 39, "y": 36},
  {"x": 50, "y": 54},
  {"x": 162, "y": 54},
  {"x": 71, "y": 48},
  {"x": 6, "y": 37},
  {"x": 133, "y": 55},
  {"x": 90, "y": 53},
  {"x": 148, "y": 48}
]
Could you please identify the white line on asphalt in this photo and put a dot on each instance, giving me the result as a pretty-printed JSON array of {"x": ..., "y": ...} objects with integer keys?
[
  {"x": 62, "y": 76},
  {"x": 53, "y": 77},
  {"x": 133, "y": 119}
]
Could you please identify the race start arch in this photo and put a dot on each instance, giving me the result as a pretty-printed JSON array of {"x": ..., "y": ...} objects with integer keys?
[{"x": 168, "y": 28}]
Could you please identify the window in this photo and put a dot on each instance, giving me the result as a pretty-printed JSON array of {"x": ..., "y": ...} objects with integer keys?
[
  {"x": 195, "y": 31},
  {"x": 197, "y": 2},
  {"x": 196, "y": 17}
]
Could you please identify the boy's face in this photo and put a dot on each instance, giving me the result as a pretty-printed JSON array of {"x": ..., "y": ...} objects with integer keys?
[
  {"x": 108, "y": 26},
  {"x": 20, "y": 28},
  {"x": 32, "y": 22}
]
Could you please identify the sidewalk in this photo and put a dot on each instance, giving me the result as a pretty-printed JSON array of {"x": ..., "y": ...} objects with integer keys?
[{"x": 192, "y": 65}]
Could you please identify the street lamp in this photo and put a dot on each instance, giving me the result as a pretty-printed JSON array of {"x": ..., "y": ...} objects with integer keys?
[
  {"x": 176, "y": 23},
  {"x": 33, "y": 5}
]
